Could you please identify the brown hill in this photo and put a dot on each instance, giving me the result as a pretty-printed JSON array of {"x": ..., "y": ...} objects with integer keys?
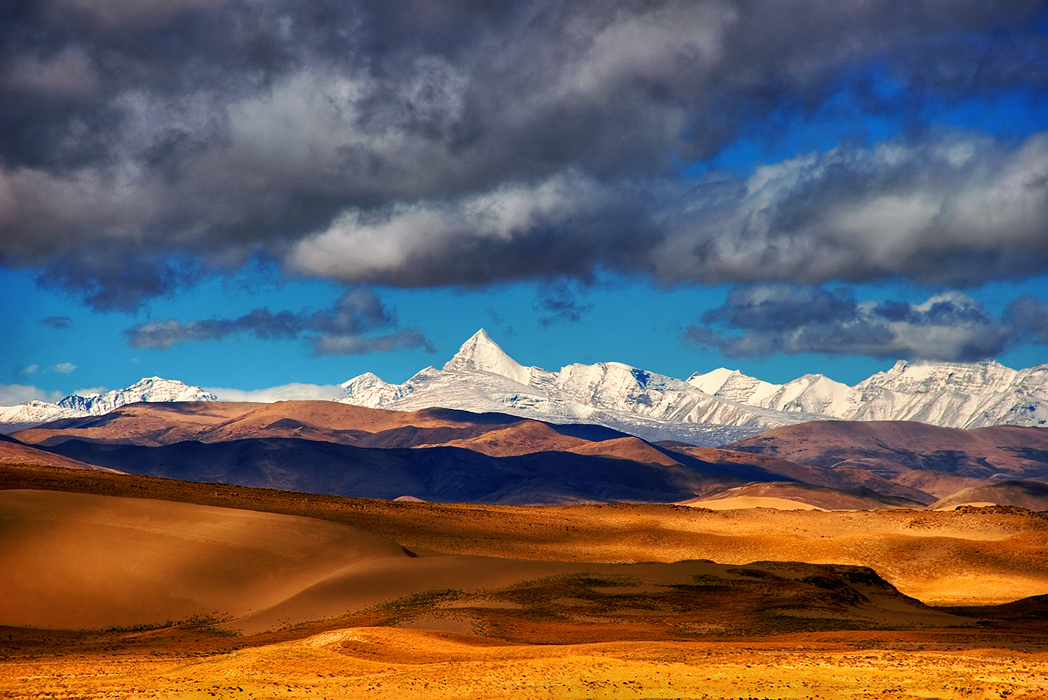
[
  {"x": 153, "y": 424},
  {"x": 1032, "y": 495},
  {"x": 14, "y": 452},
  {"x": 179, "y": 430},
  {"x": 840, "y": 478},
  {"x": 903, "y": 462},
  {"x": 943, "y": 458},
  {"x": 158, "y": 423},
  {"x": 522, "y": 437},
  {"x": 445, "y": 474},
  {"x": 631, "y": 448}
]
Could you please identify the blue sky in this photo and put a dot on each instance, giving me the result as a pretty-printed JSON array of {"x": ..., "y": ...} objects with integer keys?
[{"x": 334, "y": 188}]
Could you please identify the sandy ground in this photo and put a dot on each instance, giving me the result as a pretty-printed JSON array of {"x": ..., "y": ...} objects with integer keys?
[
  {"x": 491, "y": 602},
  {"x": 387, "y": 663},
  {"x": 740, "y": 502}
]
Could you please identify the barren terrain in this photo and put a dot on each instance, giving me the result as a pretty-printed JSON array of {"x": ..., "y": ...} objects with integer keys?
[{"x": 183, "y": 589}]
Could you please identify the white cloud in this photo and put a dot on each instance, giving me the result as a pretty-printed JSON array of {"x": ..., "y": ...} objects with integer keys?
[
  {"x": 62, "y": 367},
  {"x": 91, "y": 391},
  {"x": 286, "y": 392},
  {"x": 31, "y": 369},
  {"x": 14, "y": 394}
]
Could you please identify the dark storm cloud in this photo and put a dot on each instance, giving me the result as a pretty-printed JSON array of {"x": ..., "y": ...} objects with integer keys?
[
  {"x": 60, "y": 322},
  {"x": 345, "y": 329},
  {"x": 558, "y": 302},
  {"x": 762, "y": 320},
  {"x": 420, "y": 143},
  {"x": 1029, "y": 315}
]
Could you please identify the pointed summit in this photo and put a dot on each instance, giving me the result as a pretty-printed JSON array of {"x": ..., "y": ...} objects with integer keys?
[{"x": 482, "y": 354}]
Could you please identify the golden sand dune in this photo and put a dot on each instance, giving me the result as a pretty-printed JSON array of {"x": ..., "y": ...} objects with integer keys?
[
  {"x": 784, "y": 495},
  {"x": 70, "y": 560},
  {"x": 965, "y": 557},
  {"x": 81, "y": 561},
  {"x": 736, "y": 502},
  {"x": 1023, "y": 494},
  {"x": 547, "y": 616}
]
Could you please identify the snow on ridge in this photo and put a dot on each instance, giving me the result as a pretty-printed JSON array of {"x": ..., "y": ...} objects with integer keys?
[
  {"x": 482, "y": 377},
  {"x": 151, "y": 389},
  {"x": 482, "y": 354},
  {"x": 710, "y": 408},
  {"x": 946, "y": 394}
]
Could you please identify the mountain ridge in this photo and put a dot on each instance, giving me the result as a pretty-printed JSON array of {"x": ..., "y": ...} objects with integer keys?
[
  {"x": 147, "y": 389},
  {"x": 709, "y": 409}
]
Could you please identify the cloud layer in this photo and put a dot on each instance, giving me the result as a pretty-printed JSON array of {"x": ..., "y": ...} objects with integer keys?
[
  {"x": 764, "y": 320},
  {"x": 353, "y": 326},
  {"x": 414, "y": 143}
]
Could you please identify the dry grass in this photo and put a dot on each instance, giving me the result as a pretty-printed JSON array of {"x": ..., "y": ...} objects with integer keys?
[{"x": 388, "y": 663}]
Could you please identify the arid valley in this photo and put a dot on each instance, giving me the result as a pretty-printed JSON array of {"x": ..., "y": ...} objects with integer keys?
[{"x": 767, "y": 582}]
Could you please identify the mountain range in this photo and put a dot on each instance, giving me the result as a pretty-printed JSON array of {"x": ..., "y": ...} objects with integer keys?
[
  {"x": 713, "y": 408},
  {"x": 709, "y": 409}
]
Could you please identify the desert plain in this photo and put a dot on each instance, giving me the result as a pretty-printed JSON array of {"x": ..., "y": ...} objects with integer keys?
[{"x": 120, "y": 585}]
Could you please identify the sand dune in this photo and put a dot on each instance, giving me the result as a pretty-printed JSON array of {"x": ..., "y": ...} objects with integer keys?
[
  {"x": 794, "y": 496},
  {"x": 71, "y": 560},
  {"x": 80, "y": 561},
  {"x": 1032, "y": 495},
  {"x": 967, "y": 557},
  {"x": 737, "y": 502}
]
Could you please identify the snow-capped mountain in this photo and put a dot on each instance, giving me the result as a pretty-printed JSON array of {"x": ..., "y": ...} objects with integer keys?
[
  {"x": 949, "y": 395},
  {"x": 707, "y": 409},
  {"x": 154, "y": 389},
  {"x": 31, "y": 413},
  {"x": 715, "y": 407},
  {"x": 482, "y": 377}
]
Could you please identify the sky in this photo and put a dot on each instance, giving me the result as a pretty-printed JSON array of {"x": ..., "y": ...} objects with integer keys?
[{"x": 270, "y": 197}]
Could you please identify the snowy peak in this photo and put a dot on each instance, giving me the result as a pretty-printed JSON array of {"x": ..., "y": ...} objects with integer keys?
[
  {"x": 733, "y": 385},
  {"x": 364, "y": 382},
  {"x": 152, "y": 389},
  {"x": 976, "y": 377},
  {"x": 711, "y": 382},
  {"x": 482, "y": 354}
]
